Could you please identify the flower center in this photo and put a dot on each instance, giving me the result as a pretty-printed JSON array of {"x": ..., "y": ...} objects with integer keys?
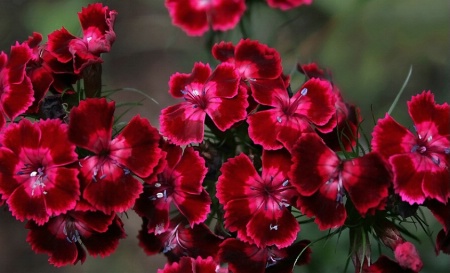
[
  {"x": 71, "y": 232},
  {"x": 269, "y": 192},
  {"x": 196, "y": 97},
  {"x": 162, "y": 189},
  {"x": 291, "y": 107},
  {"x": 37, "y": 177},
  {"x": 430, "y": 147}
]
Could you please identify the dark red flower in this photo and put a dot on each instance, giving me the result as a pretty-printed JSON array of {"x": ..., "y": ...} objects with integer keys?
[
  {"x": 257, "y": 206},
  {"x": 215, "y": 94},
  {"x": 107, "y": 175},
  {"x": 65, "y": 237},
  {"x": 242, "y": 257},
  {"x": 323, "y": 180},
  {"x": 35, "y": 178},
  {"x": 97, "y": 23},
  {"x": 191, "y": 265},
  {"x": 179, "y": 182},
  {"x": 180, "y": 240},
  {"x": 344, "y": 123},
  {"x": 257, "y": 65},
  {"x": 281, "y": 125},
  {"x": 287, "y": 4},
  {"x": 16, "y": 91},
  {"x": 195, "y": 17},
  {"x": 421, "y": 162}
]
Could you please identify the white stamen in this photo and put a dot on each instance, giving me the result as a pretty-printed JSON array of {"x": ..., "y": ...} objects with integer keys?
[
  {"x": 304, "y": 91},
  {"x": 275, "y": 227},
  {"x": 279, "y": 119},
  {"x": 285, "y": 183},
  {"x": 429, "y": 138},
  {"x": 157, "y": 185},
  {"x": 195, "y": 92},
  {"x": 159, "y": 195},
  {"x": 33, "y": 174}
]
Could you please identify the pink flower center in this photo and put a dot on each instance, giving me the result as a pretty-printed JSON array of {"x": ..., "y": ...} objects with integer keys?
[
  {"x": 36, "y": 176},
  {"x": 290, "y": 107},
  {"x": 197, "y": 97},
  {"x": 270, "y": 193},
  {"x": 433, "y": 148}
]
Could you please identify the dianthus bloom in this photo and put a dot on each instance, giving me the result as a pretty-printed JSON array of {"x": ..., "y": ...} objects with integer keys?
[
  {"x": 287, "y": 4},
  {"x": 195, "y": 17},
  {"x": 323, "y": 180},
  {"x": 180, "y": 182},
  {"x": 65, "y": 237},
  {"x": 97, "y": 23},
  {"x": 35, "y": 177},
  {"x": 257, "y": 206},
  {"x": 16, "y": 90},
  {"x": 290, "y": 117},
  {"x": 420, "y": 162},
  {"x": 215, "y": 94},
  {"x": 106, "y": 173}
]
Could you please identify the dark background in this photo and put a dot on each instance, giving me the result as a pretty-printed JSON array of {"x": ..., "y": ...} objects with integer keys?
[{"x": 370, "y": 46}]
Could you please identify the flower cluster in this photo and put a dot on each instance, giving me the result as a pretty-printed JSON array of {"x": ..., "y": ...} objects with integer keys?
[{"x": 239, "y": 165}]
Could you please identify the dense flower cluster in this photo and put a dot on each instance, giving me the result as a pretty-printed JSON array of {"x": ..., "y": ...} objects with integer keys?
[{"x": 238, "y": 165}]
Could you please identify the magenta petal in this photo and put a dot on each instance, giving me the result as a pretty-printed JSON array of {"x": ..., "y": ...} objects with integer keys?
[
  {"x": 61, "y": 251},
  {"x": 366, "y": 180},
  {"x": 327, "y": 211},
  {"x": 179, "y": 81},
  {"x": 189, "y": 172},
  {"x": 313, "y": 164},
  {"x": 114, "y": 190},
  {"x": 390, "y": 138},
  {"x": 63, "y": 190},
  {"x": 237, "y": 215},
  {"x": 231, "y": 184},
  {"x": 136, "y": 147},
  {"x": 60, "y": 152},
  {"x": 22, "y": 206},
  {"x": 407, "y": 180},
  {"x": 17, "y": 98},
  {"x": 262, "y": 129},
  {"x": 423, "y": 109},
  {"x": 226, "y": 14},
  {"x": 223, "y": 82},
  {"x": 226, "y": 112},
  {"x": 268, "y": 91},
  {"x": 185, "y": 15},
  {"x": 257, "y": 61},
  {"x": 14, "y": 140},
  {"x": 41, "y": 79},
  {"x": 223, "y": 51},
  {"x": 317, "y": 102},
  {"x": 267, "y": 228},
  {"x": 104, "y": 244},
  {"x": 182, "y": 123},
  {"x": 242, "y": 257},
  {"x": 195, "y": 207},
  {"x": 98, "y": 114},
  {"x": 58, "y": 44},
  {"x": 8, "y": 163},
  {"x": 18, "y": 58}
]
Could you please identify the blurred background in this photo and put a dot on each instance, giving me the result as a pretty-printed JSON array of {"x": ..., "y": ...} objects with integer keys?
[{"x": 370, "y": 45}]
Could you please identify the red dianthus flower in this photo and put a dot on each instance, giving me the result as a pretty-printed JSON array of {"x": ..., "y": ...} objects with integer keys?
[
  {"x": 196, "y": 16},
  {"x": 107, "y": 174},
  {"x": 421, "y": 162},
  {"x": 257, "y": 206},
  {"x": 35, "y": 178}
]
